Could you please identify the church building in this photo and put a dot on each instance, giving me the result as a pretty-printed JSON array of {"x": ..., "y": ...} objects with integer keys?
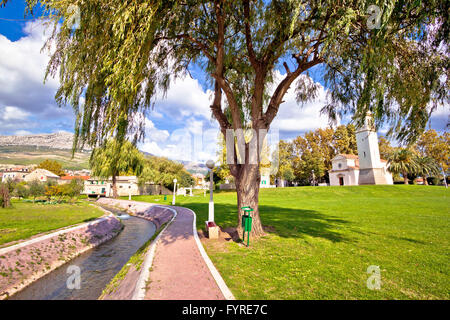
[{"x": 367, "y": 167}]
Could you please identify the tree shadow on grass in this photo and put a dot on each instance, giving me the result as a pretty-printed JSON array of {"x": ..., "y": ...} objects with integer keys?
[{"x": 284, "y": 222}]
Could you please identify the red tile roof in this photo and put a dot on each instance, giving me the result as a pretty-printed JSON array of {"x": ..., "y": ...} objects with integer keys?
[
  {"x": 75, "y": 177},
  {"x": 349, "y": 156}
]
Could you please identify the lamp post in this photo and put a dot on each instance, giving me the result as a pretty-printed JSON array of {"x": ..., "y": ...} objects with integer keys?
[
  {"x": 210, "y": 165},
  {"x": 174, "y": 190},
  {"x": 129, "y": 191}
]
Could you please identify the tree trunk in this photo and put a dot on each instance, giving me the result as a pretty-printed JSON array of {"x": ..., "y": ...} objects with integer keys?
[
  {"x": 425, "y": 181},
  {"x": 114, "y": 187},
  {"x": 405, "y": 177},
  {"x": 247, "y": 188}
]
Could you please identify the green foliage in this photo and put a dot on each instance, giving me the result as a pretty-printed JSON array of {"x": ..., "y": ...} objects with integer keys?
[
  {"x": 36, "y": 189},
  {"x": 115, "y": 157},
  {"x": 163, "y": 171},
  {"x": 52, "y": 166},
  {"x": 435, "y": 146},
  {"x": 403, "y": 161},
  {"x": 21, "y": 191}
]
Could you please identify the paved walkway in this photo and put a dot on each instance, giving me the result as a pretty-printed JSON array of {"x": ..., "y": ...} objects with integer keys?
[{"x": 179, "y": 272}]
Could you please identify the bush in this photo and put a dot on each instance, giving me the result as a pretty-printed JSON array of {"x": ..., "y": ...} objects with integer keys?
[
  {"x": 21, "y": 191},
  {"x": 36, "y": 189}
]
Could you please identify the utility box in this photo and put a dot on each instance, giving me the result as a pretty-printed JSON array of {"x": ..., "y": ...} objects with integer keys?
[{"x": 212, "y": 229}]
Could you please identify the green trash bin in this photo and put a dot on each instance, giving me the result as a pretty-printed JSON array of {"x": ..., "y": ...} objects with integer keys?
[{"x": 247, "y": 223}]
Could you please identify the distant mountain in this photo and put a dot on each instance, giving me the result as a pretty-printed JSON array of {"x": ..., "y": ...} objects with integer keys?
[
  {"x": 35, "y": 148},
  {"x": 30, "y": 150},
  {"x": 59, "y": 140},
  {"x": 194, "y": 167}
]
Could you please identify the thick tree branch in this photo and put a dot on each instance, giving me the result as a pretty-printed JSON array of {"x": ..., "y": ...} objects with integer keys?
[
  {"x": 248, "y": 38},
  {"x": 283, "y": 87}
]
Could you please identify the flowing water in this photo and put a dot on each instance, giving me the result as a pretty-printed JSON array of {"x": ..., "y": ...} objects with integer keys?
[{"x": 98, "y": 266}]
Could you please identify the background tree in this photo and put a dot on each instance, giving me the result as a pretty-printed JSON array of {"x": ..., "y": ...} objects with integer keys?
[
  {"x": 36, "y": 189},
  {"x": 403, "y": 161},
  {"x": 114, "y": 157},
  {"x": 285, "y": 158},
  {"x": 162, "y": 171},
  {"x": 345, "y": 140},
  {"x": 21, "y": 191},
  {"x": 436, "y": 147},
  {"x": 74, "y": 189},
  {"x": 385, "y": 147},
  {"x": 52, "y": 166},
  {"x": 5, "y": 201},
  {"x": 124, "y": 52},
  {"x": 426, "y": 167}
]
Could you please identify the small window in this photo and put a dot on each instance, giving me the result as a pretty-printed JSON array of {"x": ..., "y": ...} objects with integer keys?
[
  {"x": 340, "y": 165},
  {"x": 364, "y": 154}
]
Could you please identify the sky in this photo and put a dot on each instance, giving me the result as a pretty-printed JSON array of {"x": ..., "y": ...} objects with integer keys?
[{"x": 179, "y": 127}]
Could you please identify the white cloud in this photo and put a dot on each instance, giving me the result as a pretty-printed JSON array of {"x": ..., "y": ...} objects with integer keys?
[
  {"x": 13, "y": 113},
  {"x": 185, "y": 98},
  {"x": 22, "y": 70}
]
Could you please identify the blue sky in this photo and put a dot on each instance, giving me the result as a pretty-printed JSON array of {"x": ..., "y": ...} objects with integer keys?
[{"x": 180, "y": 127}]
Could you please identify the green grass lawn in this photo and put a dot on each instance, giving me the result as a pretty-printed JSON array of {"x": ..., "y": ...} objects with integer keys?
[
  {"x": 24, "y": 220},
  {"x": 323, "y": 239}
]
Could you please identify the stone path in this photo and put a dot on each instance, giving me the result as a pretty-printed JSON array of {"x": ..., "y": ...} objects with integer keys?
[{"x": 179, "y": 271}]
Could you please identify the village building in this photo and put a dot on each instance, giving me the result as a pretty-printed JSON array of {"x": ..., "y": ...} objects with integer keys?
[
  {"x": 200, "y": 181},
  {"x": 15, "y": 174},
  {"x": 42, "y": 175},
  {"x": 365, "y": 169},
  {"x": 104, "y": 187}
]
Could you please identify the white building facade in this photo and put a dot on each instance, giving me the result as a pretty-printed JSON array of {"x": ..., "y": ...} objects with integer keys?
[{"x": 365, "y": 169}]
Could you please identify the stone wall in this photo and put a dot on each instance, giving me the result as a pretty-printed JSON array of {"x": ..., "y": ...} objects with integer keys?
[{"x": 25, "y": 262}]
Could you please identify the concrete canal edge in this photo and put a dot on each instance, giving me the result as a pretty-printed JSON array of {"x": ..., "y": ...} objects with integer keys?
[
  {"x": 134, "y": 274},
  {"x": 28, "y": 261}
]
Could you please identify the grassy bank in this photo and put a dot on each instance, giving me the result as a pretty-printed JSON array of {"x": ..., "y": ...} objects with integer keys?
[
  {"x": 24, "y": 220},
  {"x": 322, "y": 240}
]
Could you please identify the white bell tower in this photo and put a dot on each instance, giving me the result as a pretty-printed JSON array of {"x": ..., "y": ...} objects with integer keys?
[{"x": 371, "y": 170}]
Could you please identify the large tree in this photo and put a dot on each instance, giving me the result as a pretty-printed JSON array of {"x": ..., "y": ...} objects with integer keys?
[{"x": 124, "y": 52}]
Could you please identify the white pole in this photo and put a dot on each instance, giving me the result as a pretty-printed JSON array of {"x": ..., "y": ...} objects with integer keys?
[
  {"x": 445, "y": 178},
  {"x": 129, "y": 191},
  {"x": 174, "y": 191},
  {"x": 211, "y": 201}
]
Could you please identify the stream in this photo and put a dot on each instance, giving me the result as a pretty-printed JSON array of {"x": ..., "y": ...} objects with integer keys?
[{"x": 98, "y": 266}]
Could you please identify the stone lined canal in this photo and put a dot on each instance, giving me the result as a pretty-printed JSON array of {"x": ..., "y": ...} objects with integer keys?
[{"x": 98, "y": 266}]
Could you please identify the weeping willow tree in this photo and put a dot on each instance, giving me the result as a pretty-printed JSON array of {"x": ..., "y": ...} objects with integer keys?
[
  {"x": 114, "y": 157},
  {"x": 392, "y": 62}
]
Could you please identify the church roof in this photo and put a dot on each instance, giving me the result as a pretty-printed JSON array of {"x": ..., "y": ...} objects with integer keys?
[{"x": 348, "y": 156}]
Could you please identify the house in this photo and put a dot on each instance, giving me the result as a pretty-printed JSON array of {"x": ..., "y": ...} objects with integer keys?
[
  {"x": 103, "y": 187},
  {"x": 42, "y": 175},
  {"x": 265, "y": 178},
  {"x": 17, "y": 174},
  {"x": 367, "y": 167},
  {"x": 200, "y": 181}
]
